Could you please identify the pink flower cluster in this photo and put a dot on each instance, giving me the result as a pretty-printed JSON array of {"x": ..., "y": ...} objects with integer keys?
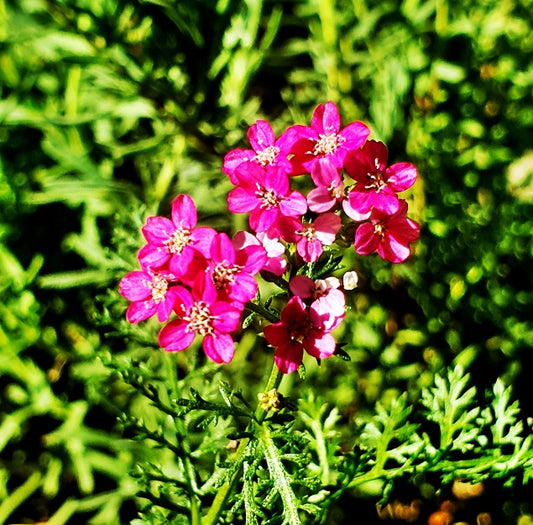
[{"x": 203, "y": 279}]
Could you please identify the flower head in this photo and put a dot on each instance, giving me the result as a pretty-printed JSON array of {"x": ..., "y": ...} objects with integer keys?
[
  {"x": 150, "y": 293},
  {"x": 376, "y": 184},
  {"x": 200, "y": 312},
  {"x": 275, "y": 261},
  {"x": 233, "y": 270},
  {"x": 311, "y": 237},
  {"x": 266, "y": 195},
  {"x": 175, "y": 241},
  {"x": 324, "y": 139},
  {"x": 299, "y": 329},
  {"x": 389, "y": 235},
  {"x": 267, "y": 151}
]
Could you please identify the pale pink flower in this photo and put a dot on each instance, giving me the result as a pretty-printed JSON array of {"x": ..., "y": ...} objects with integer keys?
[
  {"x": 266, "y": 151},
  {"x": 299, "y": 329},
  {"x": 311, "y": 237},
  {"x": 150, "y": 293},
  {"x": 325, "y": 297},
  {"x": 266, "y": 194},
  {"x": 350, "y": 280},
  {"x": 389, "y": 235},
  {"x": 200, "y": 312},
  {"x": 233, "y": 270},
  {"x": 376, "y": 184},
  {"x": 275, "y": 262},
  {"x": 175, "y": 241},
  {"x": 324, "y": 139}
]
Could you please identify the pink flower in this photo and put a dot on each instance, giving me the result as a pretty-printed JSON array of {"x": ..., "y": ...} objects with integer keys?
[
  {"x": 176, "y": 240},
  {"x": 233, "y": 270},
  {"x": 299, "y": 329},
  {"x": 201, "y": 313},
  {"x": 150, "y": 293},
  {"x": 324, "y": 139},
  {"x": 275, "y": 250},
  {"x": 311, "y": 237},
  {"x": 329, "y": 187},
  {"x": 266, "y": 195},
  {"x": 327, "y": 301},
  {"x": 377, "y": 184},
  {"x": 267, "y": 151},
  {"x": 390, "y": 235}
]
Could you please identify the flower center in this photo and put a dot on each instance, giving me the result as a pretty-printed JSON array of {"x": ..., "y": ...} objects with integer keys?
[
  {"x": 159, "y": 287},
  {"x": 298, "y": 331},
  {"x": 267, "y": 156},
  {"x": 373, "y": 178},
  {"x": 308, "y": 232},
  {"x": 268, "y": 198},
  {"x": 379, "y": 229},
  {"x": 178, "y": 240},
  {"x": 327, "y": 144},
  {"x": 199, "y": 319},
  {"x": 224, "y": 274}
]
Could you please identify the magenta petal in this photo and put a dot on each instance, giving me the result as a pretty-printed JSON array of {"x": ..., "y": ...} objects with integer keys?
[
  {"x": 324, "y": 173},
  {"x": 276, "y": 334},
  {"x": 361, "y": 201},
  {"x": 184, "y": 212},
  {"x": 326, "y": 119},
  {"x": 403, "y": 229},
  {"x": 289, "y": 357},
  {"x": 202, "y": 237},
  {"x": 309, "y": 251},
  {"x": 222, "y": 249},
  {"x": 261, "y": 135},
  {"x": 220, "y": 348},
  {"x": 244, "y": 289},
  {"x": 165, "y": 307},
  {"x": 233, "y": 159},
  {"x": 321, "y": 346},
  {"x": 393, "y": 251},
  {"x": 302, "y": 286},
  {"x": 365, "y": 241},
  {"x": 242, "y": 201},
  {"x": 354, "y": 135},
  {"x": 320, "y": 200},
  {"x": 151, "y": 256},
  {"x": 252, "y": 259},
  {"x": 262, "y": 219},
  {"x": 401, "y": 176},
  {"x": 180, "y": 262},
  {"x": 294, "y": 205},
  {"x": 326, "y": 227},
  {"x": 227, "y": 316},
  {"x": 174, "y": 336},
  {"x": 157, "y": 230},
  {"x": 385, "y": 201},
  {"x": 140, "y": 310},
  {"x": 135, "y": 286}
]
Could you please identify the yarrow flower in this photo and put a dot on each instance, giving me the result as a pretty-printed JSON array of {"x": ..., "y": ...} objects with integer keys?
[
  {"x": 311, "y": 237},
  {"x": 267, "y": 151},
  {"x": 389, "y": 235},
  {"x": 150, "y": 293},
  {"x": 266, "y": 194},
  {"x": 376, "y": 184},
  {"x": 175, "y": 241},
  {"x": 324, "y": 139},
  {"x": 299, "y": 329},
  {"x": 201, "y": 312}
]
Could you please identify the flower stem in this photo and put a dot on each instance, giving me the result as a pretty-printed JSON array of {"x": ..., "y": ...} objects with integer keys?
[
  {"x": 170, "y": 362},
  {"x": 224, "y": 491}
]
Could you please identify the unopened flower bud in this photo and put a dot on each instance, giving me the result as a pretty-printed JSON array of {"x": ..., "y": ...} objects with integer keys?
[{"x": 350, "y": 280}]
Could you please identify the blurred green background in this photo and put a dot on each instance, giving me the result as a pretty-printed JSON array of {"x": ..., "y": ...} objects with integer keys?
[{"x": 110, "y": 108}]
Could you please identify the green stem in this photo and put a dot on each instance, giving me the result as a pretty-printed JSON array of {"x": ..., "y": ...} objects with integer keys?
[
  {"x": 224, "y": 491},
  {"x": 196, "y": 518}
]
